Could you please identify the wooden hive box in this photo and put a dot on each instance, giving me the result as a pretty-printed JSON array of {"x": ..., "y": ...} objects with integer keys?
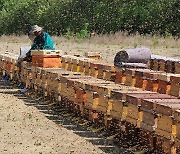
[
  {"x": 164, "y": 83},
  {"x": 162, "y": 65},
  {"x": 135, "y": 101},
  {"x": 165, "y": 123},
  {"x": 175, "y": 85},
  {"x": 164, "y": 146},
  {"x": 130, "y": 80},
  {"x": 140, "y": 82},
  {"x": 170, "y": 66},
  {"x": 177, "y": 67},
  {"x": 93, "y": 55},
  {"x": 120, "y": 76},
  {"x": 47, "y": 58}
]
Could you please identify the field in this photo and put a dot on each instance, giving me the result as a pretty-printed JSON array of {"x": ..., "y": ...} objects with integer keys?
[
  {"x": 24, "y": 129},
  {"x": 107, "y": 45}
]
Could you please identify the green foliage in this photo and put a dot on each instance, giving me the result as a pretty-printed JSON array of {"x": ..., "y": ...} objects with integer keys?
[
  {"x": 69, "y": 34},
  {"x": 68, "y": 17},
  {"x": 83, "y": 33}
]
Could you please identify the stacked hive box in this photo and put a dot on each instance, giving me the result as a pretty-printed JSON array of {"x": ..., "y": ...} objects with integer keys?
[
  {"x": 166, "y": 129},
  {"x": 177, "y": 67},
  {"x": 165, "y": 64},
  {"x": 93, "y": 55},
  {"x": 109, "y": 72},
  {"x": 153, "y": 122},
  {"x": 130, "y": 79},
  {"x": 120, "y": 76},
  {"x": 175, "y": 85},
  {"x": 47, "y": 58},
  {"x": 177, "y": 126},
  {"x": 134, "y": 103},
  {"x": 164, "y": 83},
  {"x": 118, "y": 108}
]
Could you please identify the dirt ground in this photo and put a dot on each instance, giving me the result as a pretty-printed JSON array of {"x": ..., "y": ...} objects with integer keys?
[{"x": 24, "y": 129}]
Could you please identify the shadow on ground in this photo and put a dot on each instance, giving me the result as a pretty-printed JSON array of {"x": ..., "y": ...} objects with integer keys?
[{"x": 68, "y": 120}]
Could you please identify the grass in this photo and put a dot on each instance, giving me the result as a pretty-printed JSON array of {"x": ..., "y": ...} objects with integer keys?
[{"x": 108, "y": 44}]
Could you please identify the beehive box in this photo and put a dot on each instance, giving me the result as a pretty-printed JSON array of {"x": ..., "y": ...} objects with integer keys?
[
  {"x": 170, "y": 66},
  {"x": 133, "y": 115},
  {"x": 130, "y": 79},
  {"x": 120, "y": 76},
  {"x": 165, "y": 123},
  {"x": 117, "y": 109},
  {"x": 81, "y": 64},
  {"x": 100, "y": 68},
  {"x": 93, "y": 55},
  {"x": 46, "y": 61},
  {"x": 177, "y": 67},
  {"x": 165, "y": 146},
  {"x": 167, "y": 108},
  {"x": 135, "y": 101},
  {"x": 150, "y": 104},
  {"x": 140, "y": 81},
  {"x": 177, "y": 145},
  {"x": 175, "y": 85},
  {"x": 121, "y": 94},
  {"x": 155, "y": 64},
  {"x": 162, "y": 65},
  {"x": 109, "y": 75},
  {"x": 94, "y": 69}
]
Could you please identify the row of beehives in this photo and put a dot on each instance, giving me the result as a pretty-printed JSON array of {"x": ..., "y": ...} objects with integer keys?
[
  {"x": 155, "y": 114},
  {"x": 151, "y": 80},
  {"x": 169, "y": 65},
  {"x": 156, "y": 81}
]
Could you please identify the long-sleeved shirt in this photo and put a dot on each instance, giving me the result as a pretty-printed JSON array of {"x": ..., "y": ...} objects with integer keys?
[{"x": 42, "y": 42}]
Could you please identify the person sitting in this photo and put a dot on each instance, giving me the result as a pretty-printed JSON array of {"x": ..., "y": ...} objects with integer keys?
[{"x": 41, "y": 41}]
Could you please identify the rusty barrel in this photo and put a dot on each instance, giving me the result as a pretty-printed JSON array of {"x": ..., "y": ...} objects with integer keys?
[{"x": 134, "y": 55}]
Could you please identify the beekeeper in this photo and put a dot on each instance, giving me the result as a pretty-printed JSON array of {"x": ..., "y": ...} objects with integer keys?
[{"x": 41, "y": 41}]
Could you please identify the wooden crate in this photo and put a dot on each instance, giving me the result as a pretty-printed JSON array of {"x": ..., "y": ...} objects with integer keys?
[
  {"x": 150, "y": 104},
  {"x": 130, "y": 78},
  {"x": 177, "y": 145},
  {"x": 165, "y": 146},
  {"x": 170, "y": 66},
  {"x": 167, "y": 109},
  {"x": 177, "y": 115},
  {"x": 121, "y": 94},
  {"x": 47, "y": 53},
  {"x": 109, "y": 75},
  {"x": 175, "y": 85},
  {"x": 165, "y": 123},
  {"x": 93, "y": 55},
  {"x": 152, "y": 85},
  {"x": 147, "y": 139},
  {"x": 46, "y": 61},
  {"x": 162, "y": 65},
  {"x": 120, "y": 76},
  {"x": 177, "y": 67}
]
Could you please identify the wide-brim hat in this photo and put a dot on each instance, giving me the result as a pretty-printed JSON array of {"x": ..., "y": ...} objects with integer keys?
[{"x": 35, "y": 28}]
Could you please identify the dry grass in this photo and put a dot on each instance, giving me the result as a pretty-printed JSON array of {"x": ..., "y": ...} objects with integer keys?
[{"x": 108, "y": 44}]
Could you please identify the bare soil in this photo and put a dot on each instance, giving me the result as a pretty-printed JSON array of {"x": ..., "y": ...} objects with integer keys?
[{"x": 24, "y": 129}]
